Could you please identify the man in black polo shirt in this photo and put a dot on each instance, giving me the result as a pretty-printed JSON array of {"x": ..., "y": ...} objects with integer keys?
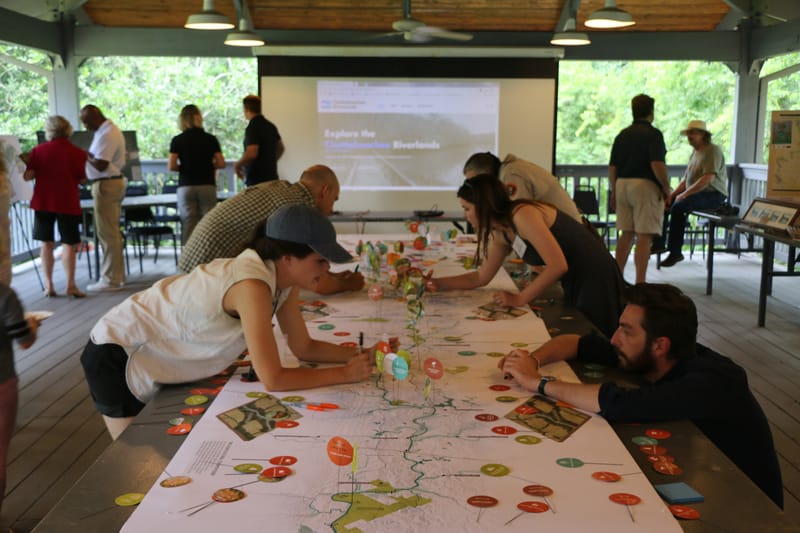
[
  {"x": 683, "y": 380},
  {"x": 262, "y": 146},
  {"x": 639, "y": 185}
]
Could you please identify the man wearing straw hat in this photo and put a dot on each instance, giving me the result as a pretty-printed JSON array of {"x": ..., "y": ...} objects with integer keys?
[{"x": 704, "y": 186}]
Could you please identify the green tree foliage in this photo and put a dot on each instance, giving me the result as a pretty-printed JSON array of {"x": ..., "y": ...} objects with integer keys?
[
  {"x": 23, "y": 94},
  {"x": 147, "y": 93},
  {"x": 594, "y": 105}
]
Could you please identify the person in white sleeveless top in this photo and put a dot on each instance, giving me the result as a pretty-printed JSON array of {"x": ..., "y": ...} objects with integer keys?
[{"x": 193, "y": 326}]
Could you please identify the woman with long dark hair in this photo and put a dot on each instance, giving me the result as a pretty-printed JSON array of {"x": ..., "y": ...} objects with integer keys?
[{"x": 541, "y": 235}]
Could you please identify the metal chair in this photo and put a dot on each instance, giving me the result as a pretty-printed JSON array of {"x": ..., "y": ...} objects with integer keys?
[
  {"x": 140, "y": 225},
  {"x": 585, "y": 199}
]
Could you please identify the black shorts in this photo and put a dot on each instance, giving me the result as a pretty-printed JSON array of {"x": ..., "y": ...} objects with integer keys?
[
  {"x": 68, "y": 227},
  {"x": 104, "y": 366}
]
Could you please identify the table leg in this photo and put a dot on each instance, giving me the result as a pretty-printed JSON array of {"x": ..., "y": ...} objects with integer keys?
[
  {"x": 712, "y": 232},
  {"x": 766, "y": 278}
]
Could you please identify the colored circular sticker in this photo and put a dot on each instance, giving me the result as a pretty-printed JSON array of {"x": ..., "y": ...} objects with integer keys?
[
  {"x": 684, "y": 512},
  {"x": 277, "y": 472},
  {"x": 608, "y": 477},
  {"x": 594, "y": 375},
  {"x": 569, "y": 462},
  {"x": 495, "y": 354},
  {"x": 504, "y": 430},
  {"x": 660, "y": 458},
  {"x": 495, "y": 470},
  {"x": 129, "y": 499},
  {"x": 500, "y": 388},
  {"x": 434, "y": 368},
  {"x": 293, "y": 399},
  {"x": 482, "y": 501},
  {"x": 228, "y": 495},
  {"x": 486, "y": 417},
  {"x": 180, "y": 429},
  {"x": 456, "y": 369},
  {"x": 193, "y": 411},
  {"x": 659, "y": 434},
  {"x": 201, "y": 391},
  {"x": 653, "y": 449},
  {"x": 641, "y": 440},
  {"x": 348, "y": 344},
  {"x": 467, "y": 352},
  {"x": 256, "y": 394},
  {"x": 527, "y": 439},
  {"x": 342, "y": 333},
  {"x": 175, "y": 481},
  {"x": 283, "y": 460},
  {"x": 452, "y": 338},
  {"x": 506, "y": 399},
  {"x": 533, "y": 507},
  {"x": 248, "y": 468},
  {"x": 286, "y": 424},
  {"x": 340, "y": 451},
  {"x": 176, "y": 421},
  {"x": 526, "y": 409},
  {"x": 519, "y": 344},
  {"x": 326, "y": 327},
  {"x": 669, "y": 469},
  {"x": 196, "y": 399},
  {"x": 537, "y": 490},
  {"x": 623, "y": 498}
]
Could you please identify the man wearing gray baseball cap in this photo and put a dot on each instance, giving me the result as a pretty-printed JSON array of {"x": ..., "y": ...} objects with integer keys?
[{"x": 192, "y": 326}]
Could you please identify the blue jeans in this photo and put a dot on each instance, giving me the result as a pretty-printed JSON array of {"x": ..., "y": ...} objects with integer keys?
[{"x": 679, "y": 211}]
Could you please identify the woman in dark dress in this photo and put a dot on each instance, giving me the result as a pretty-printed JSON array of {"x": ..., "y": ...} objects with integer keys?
[{"x": 541, "y": 235}]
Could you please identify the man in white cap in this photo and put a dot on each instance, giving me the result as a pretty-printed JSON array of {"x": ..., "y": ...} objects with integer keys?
[{"x": 704, "y": 186}]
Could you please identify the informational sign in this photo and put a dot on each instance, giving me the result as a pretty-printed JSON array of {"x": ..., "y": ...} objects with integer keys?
[{"x": 783, "y": 176}]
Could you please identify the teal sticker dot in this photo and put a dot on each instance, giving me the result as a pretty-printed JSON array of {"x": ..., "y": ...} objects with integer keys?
[
  {"x": 326, "y": 327},
  {"x": 569, "y": 462},
  {"x": 641, "y": 440},
  {"x": 467, "y": 352}
]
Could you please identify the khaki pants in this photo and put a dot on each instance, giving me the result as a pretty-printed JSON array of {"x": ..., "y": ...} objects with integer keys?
[{"x": 108, "y": 195}]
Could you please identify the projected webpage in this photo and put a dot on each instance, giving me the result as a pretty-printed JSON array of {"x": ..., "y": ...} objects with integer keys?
[{"x": 400, "y": 134}]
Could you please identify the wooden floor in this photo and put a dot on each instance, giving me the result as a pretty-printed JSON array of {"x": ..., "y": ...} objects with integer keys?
[{"x": 59, "y": 434}]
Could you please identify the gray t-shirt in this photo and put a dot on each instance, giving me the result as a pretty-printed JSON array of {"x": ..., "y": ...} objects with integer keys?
[
  {"x": 709, "y": 160},
  {"x": 14, "y": 327}
]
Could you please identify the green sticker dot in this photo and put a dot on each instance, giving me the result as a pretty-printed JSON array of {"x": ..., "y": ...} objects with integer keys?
[
  {"x": 527, "y": 439},
  {"x": 467, "y": 352},
  {"x": 506, "y": 399},
  {"x": 127, "y": 500},
  {"x": 495, "y": 354},
  {"x": 293, "y": 399},
  {"x": 197, "y": 399},
  {"x": 569, "y": 462},
  {"x": 641, "y": 440},
  {"x": 519, "y": 344},
  {"x": 326, "y": 327},
  {"x": 495, "y": 470},
  {"x": 451, "y": 338},
  {"x": 254, "y": 394},
  {"x": 248, "y": 468},
  {"x": 456, "y": 369}
]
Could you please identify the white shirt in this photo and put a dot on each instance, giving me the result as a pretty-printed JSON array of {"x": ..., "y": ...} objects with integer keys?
[
  {"x": 177, "y": 331},
  {"x": 108, "y": 144}
]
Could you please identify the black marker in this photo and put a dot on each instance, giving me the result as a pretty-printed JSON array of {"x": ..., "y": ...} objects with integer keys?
[{"x": 360, "y": 341}]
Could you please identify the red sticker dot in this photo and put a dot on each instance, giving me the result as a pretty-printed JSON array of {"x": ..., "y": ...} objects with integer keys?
[
  {"x": 660, "y": 458},
  {"x": 685, "y": 512},
  {"x": 486, "y": 417},
  {"x": 180, "y": 429},
  {"x": 193, "y": 411},
  {"x": 500, "y": 388},
  {"x": 608, "y": 477},
  {"x": 537, "y": 490},
  {"x": 342, "y": 333},
  {"x": 623, "y": 498},
  {"x": 504, "y": 430},
  {"x": 283, "y": 460},
  {"x": 285, "y": 424},
  {"x": 533, "y": 507},
  {"x": 659, "y": 434},
  {"x": 277, "y": 471},
  {"x": 526, "y": 410},
  {"x": 349, "y": 344},
  {"x": 653, "y": 449},
  {"x": 204, "y": 391},
  {"x": 669, "y": 469},
  {"x": 482, "y": 501}
]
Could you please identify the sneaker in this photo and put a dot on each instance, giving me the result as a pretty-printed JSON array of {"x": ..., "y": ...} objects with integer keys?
[
  {"x": 104, "y": 286},
  {"x": 671, "y": 260}
]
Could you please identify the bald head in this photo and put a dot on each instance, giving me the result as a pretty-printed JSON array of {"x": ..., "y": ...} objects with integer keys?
[
  {"x": 323, "y": 185},
  {"x": 92, "y": 117}
]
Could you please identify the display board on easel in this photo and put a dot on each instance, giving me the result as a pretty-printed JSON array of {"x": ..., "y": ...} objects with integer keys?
[{"x": 783, "y": 174}]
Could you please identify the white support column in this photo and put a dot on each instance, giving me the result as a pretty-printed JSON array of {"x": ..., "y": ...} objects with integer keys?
[{"x": 63, "y": 89}]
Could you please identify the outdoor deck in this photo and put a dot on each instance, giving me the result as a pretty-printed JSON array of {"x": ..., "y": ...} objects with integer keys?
[{"x": 59, "y": 434}]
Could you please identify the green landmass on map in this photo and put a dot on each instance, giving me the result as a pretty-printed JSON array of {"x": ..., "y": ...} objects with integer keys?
[{"x": 364, "y": 507}]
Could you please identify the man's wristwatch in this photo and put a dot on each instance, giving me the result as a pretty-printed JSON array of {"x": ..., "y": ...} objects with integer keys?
[{"x": 542, "y": 382}]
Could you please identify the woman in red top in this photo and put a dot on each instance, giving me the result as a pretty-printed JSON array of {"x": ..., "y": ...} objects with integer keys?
[{"x": 58, "y": 167}]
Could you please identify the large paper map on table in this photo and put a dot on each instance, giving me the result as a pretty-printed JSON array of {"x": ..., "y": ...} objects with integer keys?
[{"x": 426, "y": 455}]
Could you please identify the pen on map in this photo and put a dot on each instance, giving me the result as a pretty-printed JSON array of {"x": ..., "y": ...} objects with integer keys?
[
  {"x": 360, "y": 341},
  {"x": 355, "y": 271}
]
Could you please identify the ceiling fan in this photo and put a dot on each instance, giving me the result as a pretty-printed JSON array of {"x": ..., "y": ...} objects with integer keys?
[{"x": 416, "y": 31}]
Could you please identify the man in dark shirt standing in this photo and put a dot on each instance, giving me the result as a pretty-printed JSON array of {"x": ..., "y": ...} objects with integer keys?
[
  {"x": 262, "y": 146},
  {"x": 683, "y": 380},
  {"x": 639, "y": 185}
]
